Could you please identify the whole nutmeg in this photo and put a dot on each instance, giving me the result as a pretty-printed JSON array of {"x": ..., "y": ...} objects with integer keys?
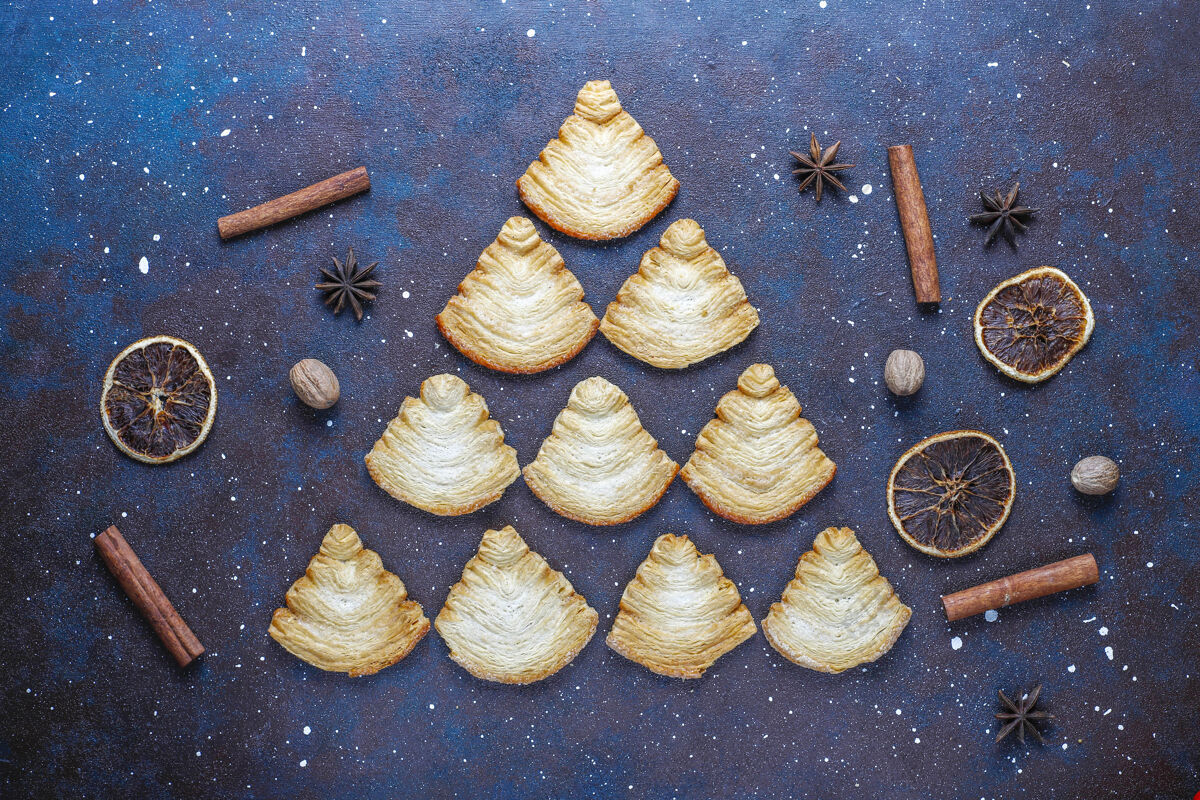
[
  {"x": 1095, "y": 475},
  {"x": 314, "y": 383},
  {"x": 904, "y": 372}
]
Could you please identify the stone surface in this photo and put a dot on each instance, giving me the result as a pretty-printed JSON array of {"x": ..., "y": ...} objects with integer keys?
[{"x": 128, "y": 128}]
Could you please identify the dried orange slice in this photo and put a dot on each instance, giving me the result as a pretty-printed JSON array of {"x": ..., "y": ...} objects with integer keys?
[
  {"x": 1030, "y": 325},
  {"x": 950, "y": 493},
  {"x": 159, "y": 399}
]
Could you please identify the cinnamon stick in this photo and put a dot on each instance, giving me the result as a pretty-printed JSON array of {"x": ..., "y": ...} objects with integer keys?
[
  {"x": 1029, "y": 585},
  {"x": 330, "y": 190},
  {"x": 146, "y": 595},
  {"x": 914, "y": 222}
]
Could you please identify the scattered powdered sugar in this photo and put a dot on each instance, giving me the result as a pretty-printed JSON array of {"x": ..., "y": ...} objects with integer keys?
[
  {"x": 867, "y": 188},
  {"x": 1108, "y": 652},
  {"x": 955, "y": 643},
  {"x": 144, "y": 265}
]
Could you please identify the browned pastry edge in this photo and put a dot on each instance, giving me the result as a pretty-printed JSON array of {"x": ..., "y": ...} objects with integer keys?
[
  {"x": 374, "y": 666},
  {"x": 452, "y": 511},
  {"x": 720, "y": 510},
  {"x": 562, "y": 227},
  {"x": 465, "y": 348},
  {"x": 605, "y": 523}
]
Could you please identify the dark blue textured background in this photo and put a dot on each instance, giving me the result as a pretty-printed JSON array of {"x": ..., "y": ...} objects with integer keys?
[{"x": 127, "y": 128}]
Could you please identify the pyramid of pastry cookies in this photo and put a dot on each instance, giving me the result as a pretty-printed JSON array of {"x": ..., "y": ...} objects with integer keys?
[
  {"x": 603, "y": 177},
  {"x": 682, "y": 305},
  {"x": 443, "y": 453},
  {"x": 758, "y": 461},
  {"x": 348, "y": 614},
  {"x": 838, "y": 612},
  {"x": 512, "y": 618},
  {"x": 680, "y": 613},
  {"x": 599, "y": 465},
  {"x": 520, "y": 310}
]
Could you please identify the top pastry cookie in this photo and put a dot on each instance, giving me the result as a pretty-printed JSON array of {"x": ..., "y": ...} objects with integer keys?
[{"x": 603, "y": 177}]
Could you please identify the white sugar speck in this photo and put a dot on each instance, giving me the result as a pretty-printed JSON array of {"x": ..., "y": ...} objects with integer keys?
[
  {"x": 1071, "y": 668},
  {"x": 956, "y": 643},
  {"x": 867, "y": 188},
  {"x": 307, "y": 730},
  {"x": 531, "y": 33},
  {"x": 144, "y": 266},
  {"x": 431, "y": 706},
  {"x": 157, "y": 237},
  {"x": 991, "y": 615},
  {"x": 404, "y": 294},
  {"x": 1108, "y": 652},
  {"x": 822, "y": 4},
  {"x": 853, "y": 198},
  {"x": 225, "y": 133},
  {"x": 1103, "y": 630},
  {"x": 81, "y": 176},
  {"x": 304, "y": 762}
]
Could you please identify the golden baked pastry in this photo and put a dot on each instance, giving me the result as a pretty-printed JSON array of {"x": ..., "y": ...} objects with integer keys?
[
  {"x": 758, "y": 461},
  {"x": 512, "y": 618},
  {"x": 599, "y": 465},
  {"x": 442, "y": 452},
  {"x": 680, "y": 613},
  {"x": 520, "y": 310},
  {"x": 348, "y": 614},
  {"x": 838, "y": 612},
  {"x": 603, "y": 177},
  {"x": 682, "y": 305}
]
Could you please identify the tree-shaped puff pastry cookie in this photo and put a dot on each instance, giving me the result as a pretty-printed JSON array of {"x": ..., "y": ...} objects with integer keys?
[
  {"x": 348, "y": 614},
  {"x": 520, "y": 310},
  {"x": 603, "y": 177},
  {"x": 838, "y": 612},
  {"x": 512, "y": 618},
  {"x": 599, "y": 465},
  {"x": 442, "y": 452},
  {"x": 680, "y": 613},
  {"x": 682, "y": 305},
  {"x": 758, "y": 461}
]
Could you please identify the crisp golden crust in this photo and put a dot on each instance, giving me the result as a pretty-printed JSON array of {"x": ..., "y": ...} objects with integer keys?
[
  {"x": 599, "y": 465},
  {"x": 680, "y": 613},
  {"x": 758, "y": 461},
  {"x": 520, "y": 310},
  {"x": 348, "y": 614},
  {"x": 442, "y": 453},
  {"x": 603, "y": 177},
  {"x": 1032, "y": 324},
  {"x": 838, "y": 612},
  {"x": 513, "y": 619},
  {"x": 682, "y": 306}
]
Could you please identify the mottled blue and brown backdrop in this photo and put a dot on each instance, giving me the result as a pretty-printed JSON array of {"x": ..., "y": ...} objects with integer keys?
[{"x": 127, "y": 128}]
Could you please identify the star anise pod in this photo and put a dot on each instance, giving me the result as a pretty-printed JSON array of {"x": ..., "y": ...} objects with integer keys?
[
  {"x": 1021, "y": 717},
  {"x": 818, "y": 166},
  {"x": 348, "y": 282},
  {"x": 1003, "y": 214}
]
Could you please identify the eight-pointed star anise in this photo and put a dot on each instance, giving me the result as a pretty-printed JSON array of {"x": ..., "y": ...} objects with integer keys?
[
  {"x": 348, "y": 282},
  {"x": 1021, "y": 717},
  {"x": 1003, "y": 215},
  {"x": 818, "y": 166}
]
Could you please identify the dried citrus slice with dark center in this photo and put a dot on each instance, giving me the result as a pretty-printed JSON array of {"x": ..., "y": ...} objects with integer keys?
[
  {"x": 949, "y": 494},
  {"x": 159, "y": 399},
  {"x": 1030, "y": 326}
]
